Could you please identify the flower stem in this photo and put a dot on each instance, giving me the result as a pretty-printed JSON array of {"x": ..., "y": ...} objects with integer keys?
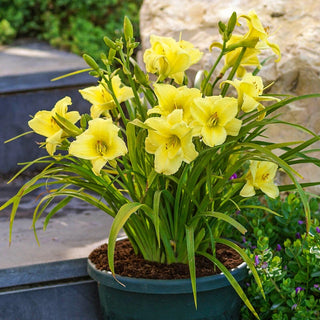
[
  {"x": 233, "y": 71},
  {"x": 142, "y": 111},
  {"x": 213, "y": 68}
]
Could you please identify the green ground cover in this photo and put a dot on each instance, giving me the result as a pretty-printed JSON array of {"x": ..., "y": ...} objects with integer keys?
[{"x": 287, "y": 260}]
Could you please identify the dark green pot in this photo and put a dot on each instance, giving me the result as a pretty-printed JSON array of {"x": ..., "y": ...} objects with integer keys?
[{"x": 146, "y": 299}]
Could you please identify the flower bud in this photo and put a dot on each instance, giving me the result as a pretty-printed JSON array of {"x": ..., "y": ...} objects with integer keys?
[
  {"x": 140, "y": 75},
  {"x": 67, "y": 126},
  {"x": 91, "y": 62},
  {"x": 222, "y": 27},
  {"x": 111, "y": 55},
  {"x": 231, "y": 23},
  {"x": 109, "y": 43},
  {"x": 128, "y": 29}
]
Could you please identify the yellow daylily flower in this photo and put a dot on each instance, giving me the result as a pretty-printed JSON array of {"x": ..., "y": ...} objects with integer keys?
[
  {"x": 250, "y": 57},
  {"x": 102, "y": 100},
  {"x": 256, "y": 39},
  {"x": 170, "y": 140},
  {"x": 215, "y": 118},
  {"x": 256, "y": 30},
  {"x": 194, "y": 54},
  {"x": 100, "y": 143},
  {"x": 44, "y": 124},
  {"x": 171, "y": 98},
  {"x": 261, "y": 175},
  {"x": 250, "y": 90},
  {"x": 168, "y": 58}
]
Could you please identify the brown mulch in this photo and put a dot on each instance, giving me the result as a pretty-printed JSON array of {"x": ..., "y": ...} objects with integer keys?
[{"x": 127, "y": 263}]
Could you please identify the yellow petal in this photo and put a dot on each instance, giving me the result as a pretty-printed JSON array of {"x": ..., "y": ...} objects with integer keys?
[
  {"x": 84, "y": 147},
  {"x": 96, "y": 95},
  {"x": 43, "y": 124},
  {"x": 226, "y": 109},
  {"x": 270, "y": 167},
  {"x": 213, "y": 136},
  {"x": 178, "y": 77},
  {"x": 179, "y": 62},
  {"x": 61, "y": 106},
  {"x": 175, "y": 116},
  {"x": 121, "y": 91},
  {"x": 194, "y": 54},
  {"x": 249, "y": 103},
  {"x": 233, "y": 127},
  {"x": 263, "y": 114},
  {"x": 202, "y": 109},
  {"x": 97, "y": 110},
  {"x": 170, "y": 140},
  {"x": 51, "y": 148},
  {"x": 153, "y": 142},
  {"x": 247, "y": 190},
  {"x": 270, "y": 189},
  {"x": 97, "y": 165},
  {"x": 189, "y": 150},
  {"x": 160, "y": 125},
  {"x": 253, "y": 169},
  {"x": 166, "y": 96},
  {"x": 164, "y": 164}
]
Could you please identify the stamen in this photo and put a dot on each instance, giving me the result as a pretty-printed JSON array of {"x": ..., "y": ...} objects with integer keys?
[
  {"x": 213, "y": 120},
  {"x": 101, "y": 147},
  {"x": 173, "y": 142}
]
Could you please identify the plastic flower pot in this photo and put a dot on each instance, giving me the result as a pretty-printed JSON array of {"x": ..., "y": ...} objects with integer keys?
[{"x": 146, "y": 299}]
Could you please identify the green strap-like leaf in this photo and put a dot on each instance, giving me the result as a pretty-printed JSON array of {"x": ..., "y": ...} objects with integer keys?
[
  {"x": 232, "y": 281},
  {"x": 120, "y": 219},
  {"x": 56, "y": 208},
  {"x": 156, "y": 209},
  {"x": 71, "y": 74},
  {"x": 222, "y": 216},
  {"x": 19, "y": 136},
  {"x": 260, "y": 207},
  {"x": 247, "y": 259},
  {"x": 191, "y": 261}
]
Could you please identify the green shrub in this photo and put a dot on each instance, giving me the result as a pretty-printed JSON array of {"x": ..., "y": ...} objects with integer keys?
[
  {"x": 287, "y": 261},
  {"x": 78, "y": 26}
]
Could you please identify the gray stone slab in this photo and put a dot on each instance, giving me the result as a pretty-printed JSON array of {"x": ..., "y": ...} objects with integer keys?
[
  {"x": 36, "y": 274},
  {"x": 10, "y": 85},
  {"x": 27, "y": 56},
  {"x": 78, "y": 300}
]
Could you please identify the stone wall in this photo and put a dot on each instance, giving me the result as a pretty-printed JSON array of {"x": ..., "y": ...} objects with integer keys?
[{"x": 295, "y": 27}]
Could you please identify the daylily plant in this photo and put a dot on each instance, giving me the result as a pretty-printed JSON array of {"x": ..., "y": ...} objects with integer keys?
[{"x": 172, "y": 163}]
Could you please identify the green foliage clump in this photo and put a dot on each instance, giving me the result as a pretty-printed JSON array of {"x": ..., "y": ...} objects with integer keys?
[
  {"x": 7, "y": 33},
  {"x": 286, "y": 258},
  {"x": 78, "y": 26}
]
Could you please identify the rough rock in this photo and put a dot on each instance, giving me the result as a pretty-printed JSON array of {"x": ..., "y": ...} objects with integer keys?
[{"x": 294, "y": 26}]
